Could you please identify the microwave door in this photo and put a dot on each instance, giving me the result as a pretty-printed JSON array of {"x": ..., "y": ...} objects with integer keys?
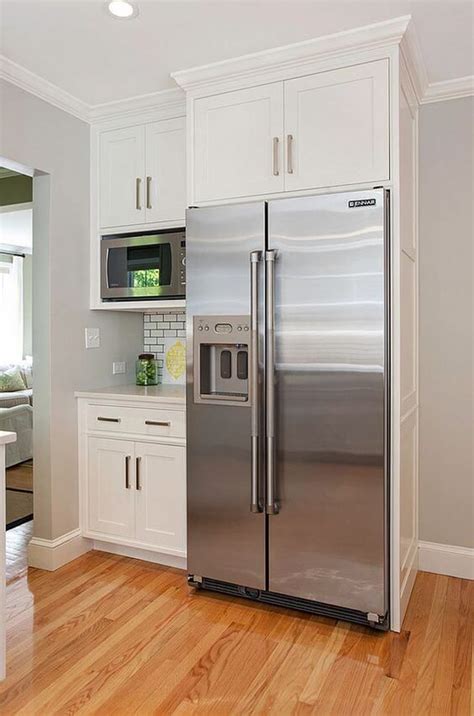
[{"x": 143, "y": 267}]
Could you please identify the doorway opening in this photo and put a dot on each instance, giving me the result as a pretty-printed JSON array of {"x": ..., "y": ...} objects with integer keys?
[{"x": 16, "y": 360}]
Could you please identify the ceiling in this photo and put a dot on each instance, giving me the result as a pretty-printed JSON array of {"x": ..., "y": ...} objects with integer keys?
[{"x": 78, "y": 46}]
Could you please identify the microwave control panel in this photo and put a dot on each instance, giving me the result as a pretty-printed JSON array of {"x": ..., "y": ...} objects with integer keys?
[{"x": 182, "y": 264}]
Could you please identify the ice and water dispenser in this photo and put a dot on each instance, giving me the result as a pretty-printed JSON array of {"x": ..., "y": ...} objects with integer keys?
[{"x": 221, "y": 359}]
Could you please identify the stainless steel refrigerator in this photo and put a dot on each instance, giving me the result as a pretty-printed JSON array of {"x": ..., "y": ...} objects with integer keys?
[{"x": 288, "y": 390}]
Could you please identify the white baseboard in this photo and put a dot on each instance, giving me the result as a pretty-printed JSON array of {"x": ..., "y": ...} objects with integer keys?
[
  {"x": 446, "y": 559},
  {"x": 54, "y": 553},
  {"x": 168, "y": 560}
]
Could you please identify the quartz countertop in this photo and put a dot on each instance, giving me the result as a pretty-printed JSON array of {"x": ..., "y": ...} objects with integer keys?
[{"x": 152, "y": 393}]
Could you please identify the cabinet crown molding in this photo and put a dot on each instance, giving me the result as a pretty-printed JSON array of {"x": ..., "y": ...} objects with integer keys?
[
  {"x": 159, "y": 105},
  {"x": 274, "y": 64}
]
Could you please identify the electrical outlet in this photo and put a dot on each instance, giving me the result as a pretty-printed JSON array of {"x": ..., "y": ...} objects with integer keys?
[
  {"x": 92, "y": 337},
  {"x": 119, "y": 367}
]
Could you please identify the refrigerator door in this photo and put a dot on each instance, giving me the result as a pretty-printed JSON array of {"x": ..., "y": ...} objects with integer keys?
[
  {"x": 327, "y": 540},
  {"x": 226, "y": 530}
]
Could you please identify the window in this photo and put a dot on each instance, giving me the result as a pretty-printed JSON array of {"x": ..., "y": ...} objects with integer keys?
[{"x": 11, "y": 308}]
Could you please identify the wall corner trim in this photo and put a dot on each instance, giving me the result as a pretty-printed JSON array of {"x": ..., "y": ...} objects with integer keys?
[
  {"x": 52, "y": 554},
  {"x": 446, "y": 559}
]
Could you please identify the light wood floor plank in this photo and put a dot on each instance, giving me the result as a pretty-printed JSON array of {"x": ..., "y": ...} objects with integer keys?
[{"x": 108, "y": 635}]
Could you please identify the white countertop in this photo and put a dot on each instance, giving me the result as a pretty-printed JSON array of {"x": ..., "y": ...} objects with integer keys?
[
  {"x": 6, "y": 437},
  {"x": 153, "y": 393}
]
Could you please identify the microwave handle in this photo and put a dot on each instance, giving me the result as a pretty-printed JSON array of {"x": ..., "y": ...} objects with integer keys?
[{"x": 107, "y": 267}]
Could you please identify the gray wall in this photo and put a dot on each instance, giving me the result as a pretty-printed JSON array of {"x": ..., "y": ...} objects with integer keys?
[
  {"x": 446, "y": 322},
  {"x": 42, "y": 137}
]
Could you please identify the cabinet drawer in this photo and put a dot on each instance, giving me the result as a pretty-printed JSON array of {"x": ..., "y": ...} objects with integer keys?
[{"x": 138, "y": 421}]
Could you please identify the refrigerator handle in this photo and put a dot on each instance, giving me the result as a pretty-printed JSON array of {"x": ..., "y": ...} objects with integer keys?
[
  {"x": 255, "y": 504},
  {"x": 271, "y": 505}
]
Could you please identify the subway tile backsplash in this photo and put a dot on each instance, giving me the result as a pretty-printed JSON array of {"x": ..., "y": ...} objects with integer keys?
[{"x": 156, "y": 327}]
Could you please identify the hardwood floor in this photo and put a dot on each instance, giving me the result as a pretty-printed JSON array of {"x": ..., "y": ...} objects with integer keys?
[
  {"x": 16, "y": 545},
  {"x": 20, "y": 477},
  {"x": 111, "y": 635}
]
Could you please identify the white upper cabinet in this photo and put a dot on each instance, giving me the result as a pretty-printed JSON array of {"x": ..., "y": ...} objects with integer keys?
[
  {"x": 237, "y": 143},
  {"x": 121, "y": 158},
  {"x": 321, "y": 130},
  {"x": 337, "y": 127},
  {"x": 142, "y": 174},
  {"x": 166, "y": 170}
]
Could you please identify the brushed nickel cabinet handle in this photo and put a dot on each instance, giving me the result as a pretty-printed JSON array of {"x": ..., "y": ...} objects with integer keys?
[
  {"x": 137, "y": 473},
  {"x": 127, "y": 472},
  {"x": 289, "y": 153},
  {"x": 276, "y": 143},
  {"x": 162, "y": 423},
  {"x": 109, "y": 420},
  {"x": 148, "y": 193},
  {"x": 138, "y": 184}
]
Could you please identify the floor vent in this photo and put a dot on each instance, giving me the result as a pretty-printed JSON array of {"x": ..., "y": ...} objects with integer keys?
[{"x": 287, "y": 602}]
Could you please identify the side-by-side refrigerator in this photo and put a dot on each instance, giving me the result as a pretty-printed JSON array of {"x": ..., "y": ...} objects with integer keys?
[{"x": 288, "y": 390}]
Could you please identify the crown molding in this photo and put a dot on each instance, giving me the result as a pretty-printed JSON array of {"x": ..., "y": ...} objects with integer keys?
[
  {"x": 449, "y": 89},
  {"x": 168, "y": 103},
  {"x": 295, "y": 55},
  {"x": 266, "y": 65},
  {"x": 36, "y": 85},
  {"x": 411, "y": 51}
]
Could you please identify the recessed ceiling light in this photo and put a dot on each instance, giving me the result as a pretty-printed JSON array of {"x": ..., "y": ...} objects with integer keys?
[{"x": 122, "y": 9}]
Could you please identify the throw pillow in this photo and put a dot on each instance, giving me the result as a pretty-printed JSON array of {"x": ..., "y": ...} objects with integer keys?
[{"x": 11, "y": 380}]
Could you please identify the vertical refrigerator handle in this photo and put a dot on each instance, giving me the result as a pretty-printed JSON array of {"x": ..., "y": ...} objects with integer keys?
[
  {"x": 271, "y": 505},
  {"x": 255, "y": 504}
]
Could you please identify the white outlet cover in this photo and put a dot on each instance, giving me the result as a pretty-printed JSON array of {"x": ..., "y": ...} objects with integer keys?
[{"x": 92, "y": 337}]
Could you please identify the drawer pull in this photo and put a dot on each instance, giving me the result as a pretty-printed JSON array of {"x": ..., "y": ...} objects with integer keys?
[
  {"x": 162, "y": 423},
  {"x": 109, "y": 420}
]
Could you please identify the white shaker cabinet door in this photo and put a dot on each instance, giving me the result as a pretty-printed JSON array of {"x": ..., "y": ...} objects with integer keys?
[
  {"x": 238, "y": 143},
  {"x": 165, "y": 191},
  {"x": 121, "y": 177},
  {"x": 337, "y": 127},
  {"x": 111, "y": 487},
  {"x": 161, "y": 496}
]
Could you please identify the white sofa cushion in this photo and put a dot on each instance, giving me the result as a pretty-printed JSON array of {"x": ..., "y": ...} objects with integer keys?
[{"x": 17, "y": 397}]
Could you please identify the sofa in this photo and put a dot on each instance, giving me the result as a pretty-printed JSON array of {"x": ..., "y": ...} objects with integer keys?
[{"x": 16, "y": 410}]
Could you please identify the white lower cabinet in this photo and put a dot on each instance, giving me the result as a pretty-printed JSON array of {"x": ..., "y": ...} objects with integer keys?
[
  {"x": 111, "y": 507},
  {"x": 133, "y": 482},
  {"x": 138, "y": 491},
  {"x": 160, "y": 495}
]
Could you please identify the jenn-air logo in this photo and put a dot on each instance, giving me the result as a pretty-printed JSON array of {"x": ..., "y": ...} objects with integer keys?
[{"x": 361, "y": 202}]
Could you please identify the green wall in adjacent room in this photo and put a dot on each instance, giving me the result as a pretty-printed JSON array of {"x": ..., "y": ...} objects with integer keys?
[{"x": 16, "y": 190}]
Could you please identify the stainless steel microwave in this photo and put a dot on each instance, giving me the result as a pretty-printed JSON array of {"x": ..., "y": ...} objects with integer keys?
[{"x": 143, "y": 266}]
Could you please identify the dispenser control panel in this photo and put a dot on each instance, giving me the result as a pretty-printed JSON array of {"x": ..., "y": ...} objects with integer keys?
[{"x": 221, "y": 359}]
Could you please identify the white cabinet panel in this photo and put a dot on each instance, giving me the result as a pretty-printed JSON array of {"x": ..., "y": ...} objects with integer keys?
[
  {"x": 339, "y": 124},
  {"x": 161, "y": 497},
  {"x": 122, "y": 164},
  {"x": 234, "y": 137},
  {"x": 111, "y": 500},
  {"x": 166, "y": 170}
]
